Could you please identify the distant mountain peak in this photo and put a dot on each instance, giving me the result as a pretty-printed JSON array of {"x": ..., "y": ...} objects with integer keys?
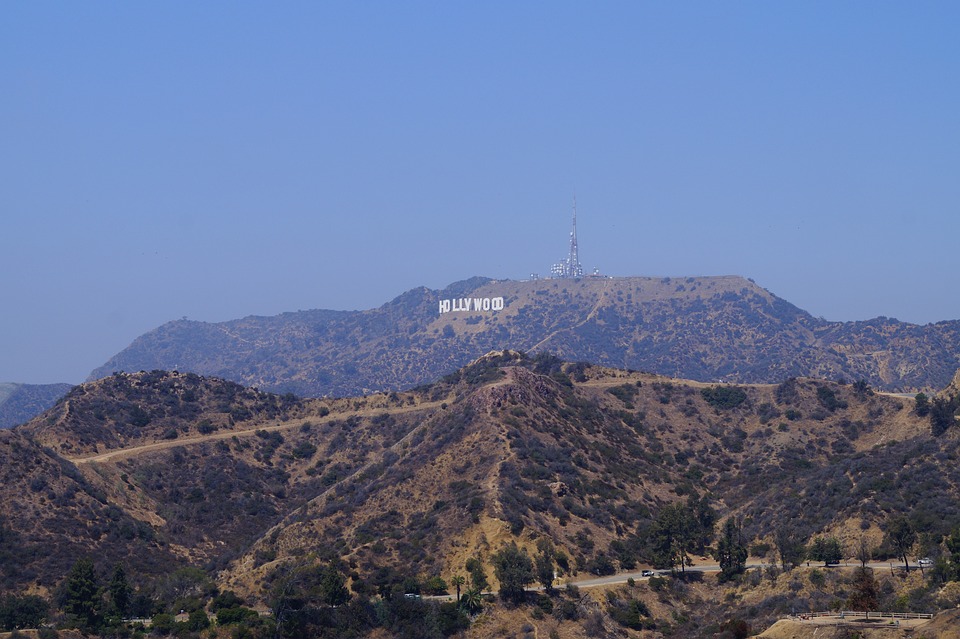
[
  {"x": 703, "y": 328},
  {"x": 21, "y": 402}
]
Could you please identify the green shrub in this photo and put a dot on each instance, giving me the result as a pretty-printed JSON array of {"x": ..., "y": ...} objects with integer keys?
[
  {"x": 46, "y": 632},
  {"x": 828, "y": 399},
  {"x": 632, "y": 614},
  {"x": 198, "y": 620},
  {"x": 304, "y": 450},
  {"x": 163, "y": 624},
  {"x": 236, "y": 615},
  {"x": 724, "y": 397},
  {"x": 817, "y": 578}
]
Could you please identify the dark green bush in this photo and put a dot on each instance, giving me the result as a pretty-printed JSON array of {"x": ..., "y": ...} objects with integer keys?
[{"x": 724, "y": 397}]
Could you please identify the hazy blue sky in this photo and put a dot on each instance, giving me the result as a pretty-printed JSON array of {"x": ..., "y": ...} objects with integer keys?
[{"x": 221, "y": 159}]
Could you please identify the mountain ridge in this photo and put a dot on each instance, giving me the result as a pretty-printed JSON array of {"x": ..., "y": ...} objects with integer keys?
[
  {"x": 701, "y": 328},
  {"x": 21, "y": 402}
]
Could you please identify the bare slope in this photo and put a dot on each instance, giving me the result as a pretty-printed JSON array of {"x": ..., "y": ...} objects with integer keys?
[{"x": 703, "y": 328}]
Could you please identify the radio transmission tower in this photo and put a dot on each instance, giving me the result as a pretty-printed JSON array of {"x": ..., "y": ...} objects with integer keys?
[
  {"x": 570, "y": 268},
  {"x": 573, "y": 262}
]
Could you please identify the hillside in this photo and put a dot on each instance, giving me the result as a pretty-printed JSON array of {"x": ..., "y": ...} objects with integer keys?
[
  {"x": 211, "y": 466},
  {"x": 21, "y": 402},
  {"x": 124, "y": 410},
  {"x": 167, "y": 470},
  {"x": 700, "y": 328},
  {"x": 52, "y": 515},
  {"x": 586, "y": 456}
]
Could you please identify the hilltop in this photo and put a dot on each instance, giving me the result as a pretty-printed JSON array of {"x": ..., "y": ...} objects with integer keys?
[
  {"x": 121, "y": 410},
  {"x": 700, "y": 328},
  {"x": 166, "y": 470}
]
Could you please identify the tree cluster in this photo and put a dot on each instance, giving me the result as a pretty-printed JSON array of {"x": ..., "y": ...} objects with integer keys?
[
  {"x": 943, "y": 413},
  {"x": 731, "y": 552},
  {"x": 826, "y": 549},
  {"x": 681, "y": 529}
]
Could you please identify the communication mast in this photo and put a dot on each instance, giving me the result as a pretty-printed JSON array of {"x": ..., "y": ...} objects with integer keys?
[
  {"x": 570, "y": 268},
  {"x": 573, "y": 262}
]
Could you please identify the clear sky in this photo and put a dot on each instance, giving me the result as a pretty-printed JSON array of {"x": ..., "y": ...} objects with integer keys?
[{"x": 221, "y": 159}]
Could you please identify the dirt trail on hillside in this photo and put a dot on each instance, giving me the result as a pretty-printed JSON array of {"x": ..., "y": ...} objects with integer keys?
[
  {"x": 125, "y": 453},
  {"x": 590, "y": 316},
  {"x": 243, "y": 563},
  {"x": 620, "y": 381}
]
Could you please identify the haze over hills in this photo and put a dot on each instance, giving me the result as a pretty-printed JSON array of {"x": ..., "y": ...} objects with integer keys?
[
  {"x": 21, "y": 402},
  {"x": 700, "y": 328},
  {"x": 179, "y": 469}
]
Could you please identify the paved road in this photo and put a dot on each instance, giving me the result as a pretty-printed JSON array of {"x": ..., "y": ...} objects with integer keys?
[
  {"x": 637, "y": 575},
  {"x": 623, "y": 577}
]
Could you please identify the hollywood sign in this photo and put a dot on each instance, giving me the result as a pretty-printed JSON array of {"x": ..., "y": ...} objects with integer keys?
[{"x": 476, "y": 304}]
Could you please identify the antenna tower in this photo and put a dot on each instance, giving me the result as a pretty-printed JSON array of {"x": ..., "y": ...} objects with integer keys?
[
  {"x": 574, "y": 269},
  {"x": 570, "y": 268}
]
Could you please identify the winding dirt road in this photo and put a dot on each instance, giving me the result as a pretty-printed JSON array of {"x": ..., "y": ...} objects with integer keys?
[{"x": 133, "y": 451}]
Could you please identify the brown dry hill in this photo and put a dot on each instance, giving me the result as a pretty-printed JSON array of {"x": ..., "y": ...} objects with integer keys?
[
  {"x": 702, "y": 328},
  {"x": 125, "y": 410},
  {"x": 585, "y": 456},
  {"x": 159, "y": 470},
  {"x": 52, "y": 515},
  {"x": 183, "y": 470}
]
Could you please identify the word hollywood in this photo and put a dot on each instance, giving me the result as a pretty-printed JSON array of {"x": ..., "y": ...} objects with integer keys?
[{"x": 472, "y": 304}]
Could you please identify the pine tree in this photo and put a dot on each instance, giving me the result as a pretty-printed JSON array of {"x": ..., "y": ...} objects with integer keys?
[
  {"x": 943, "y": 414},
  {"x": 332, "y": 588},
  {"x": 120, "y": 591},
  {"x": 680, "y": 529},
  {"x": 922, "y": 406},
  {"x": 952, "y": 542},
  {"x": 731, "y": 552},
  {"x": 82, "y": 595}
]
